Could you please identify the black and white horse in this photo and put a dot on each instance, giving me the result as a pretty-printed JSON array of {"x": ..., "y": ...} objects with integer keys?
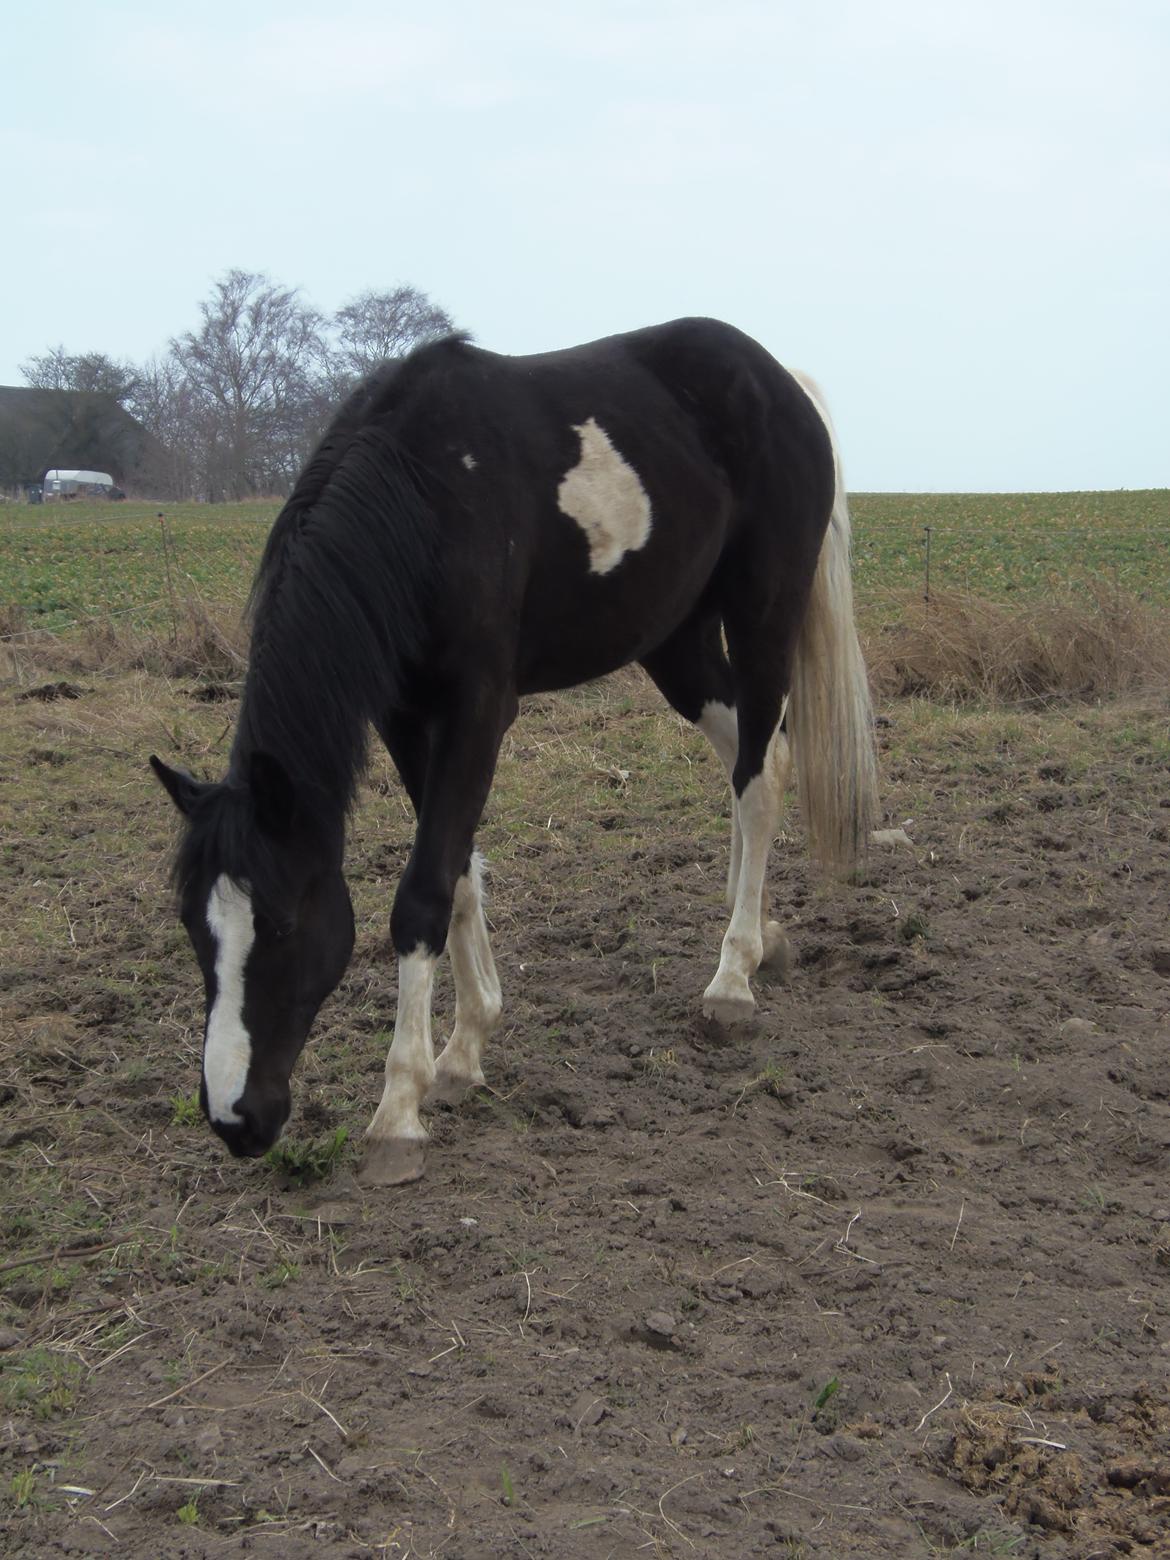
[{"x": 474, "y": 528}]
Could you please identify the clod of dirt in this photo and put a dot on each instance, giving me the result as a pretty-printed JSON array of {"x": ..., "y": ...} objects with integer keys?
[
  {"x": 1077, "y": 1029},
  {"x": 1038, "y": 1484},
  {"x": 657, "y": 1330},
  {"x": 26, "y": 1134},
  {"x": 1128, "y": 1474},
  {"x": 215, "y": 693},
  {"x": 47, "y": 692},
  {"x": 890, "y": 837},
  {"x": 576, "y": 1110},
  {"x": 333, "y": 1212}
]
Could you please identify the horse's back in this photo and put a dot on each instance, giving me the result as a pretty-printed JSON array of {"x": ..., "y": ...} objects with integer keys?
[
  {"x": 582, "y": 497},
  {"x": 585, "y": 500}
]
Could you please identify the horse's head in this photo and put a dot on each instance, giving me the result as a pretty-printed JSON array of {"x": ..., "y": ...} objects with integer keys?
[{"x": 265, "y": 905}]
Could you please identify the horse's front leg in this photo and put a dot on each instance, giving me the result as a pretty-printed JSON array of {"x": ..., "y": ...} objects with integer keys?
[
  {"x": 478, "y": 1000},
  {"x": 438, "y": 880},
  {"x": 396, "y": 1138}
]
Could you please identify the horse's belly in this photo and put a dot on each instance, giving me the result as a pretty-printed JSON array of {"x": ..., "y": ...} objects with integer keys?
[{"x": 578, "y": 624}]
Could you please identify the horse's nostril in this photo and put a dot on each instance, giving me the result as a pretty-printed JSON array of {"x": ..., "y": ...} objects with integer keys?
[
  {"x": 247, "y": 1138},
  {"x": 256, "y": 1120},
  {"x": 257, "y": 1128}
]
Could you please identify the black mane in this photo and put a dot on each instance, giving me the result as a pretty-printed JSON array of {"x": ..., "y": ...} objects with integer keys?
[
  {"x": 339, "y": 605},
  {"x": 221, "y": 837}
]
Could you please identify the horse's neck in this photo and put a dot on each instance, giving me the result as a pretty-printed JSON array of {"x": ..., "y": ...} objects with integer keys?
[{"x": 315, "y": 738}]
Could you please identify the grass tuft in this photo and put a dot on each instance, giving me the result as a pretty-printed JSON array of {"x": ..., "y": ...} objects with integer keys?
[
  {"x": 41, "y": 1383},
  {"x": 22, "y": 1488},
  {"x": 188, "y": 1513},
  {"x": 185, "y": 1110},
  {"x": 308, "y": 1160}
]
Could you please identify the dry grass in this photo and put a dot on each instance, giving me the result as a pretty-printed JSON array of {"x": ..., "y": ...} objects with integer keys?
[
  {"x": 201, "y": 642},
  {"x": 958, "y": 648}
]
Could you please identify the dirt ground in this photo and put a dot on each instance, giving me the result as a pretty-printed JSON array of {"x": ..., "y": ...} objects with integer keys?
[{"x": 885, "y": 1274}]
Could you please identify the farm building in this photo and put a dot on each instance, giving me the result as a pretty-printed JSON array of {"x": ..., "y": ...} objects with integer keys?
[{"x": 75, "y": 431}]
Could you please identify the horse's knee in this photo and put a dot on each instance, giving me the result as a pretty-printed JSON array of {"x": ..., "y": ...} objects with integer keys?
[
  {"x": 468, "y": 898},
  {"x": 420, "y": 918}
]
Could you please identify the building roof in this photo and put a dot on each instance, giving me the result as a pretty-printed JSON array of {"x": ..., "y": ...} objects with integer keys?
[{"x": 42, "y": 429}]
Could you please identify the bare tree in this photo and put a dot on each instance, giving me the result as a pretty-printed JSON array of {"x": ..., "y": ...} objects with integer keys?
[
  {"x": 254, "y": 369},
  {"x": 380, "y": 325},
  {"x": 164, "y": 403},
  {"x": 91, "y": 372},
  {"x": 236, "y": 406}
]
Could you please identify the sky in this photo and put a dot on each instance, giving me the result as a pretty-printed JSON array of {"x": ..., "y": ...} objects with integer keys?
[{"x": 955, "y": 214}]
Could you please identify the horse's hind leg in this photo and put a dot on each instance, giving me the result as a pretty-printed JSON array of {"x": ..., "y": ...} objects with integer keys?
[
  {"x": 721, "y": 727},
  {"x": 694, "y": 676},
  {"x": 750, "y": 936},
  {"x": 692, "y": 673},
  {"x": 778, "y": 952},
  {"x": 761, "y": 661}
]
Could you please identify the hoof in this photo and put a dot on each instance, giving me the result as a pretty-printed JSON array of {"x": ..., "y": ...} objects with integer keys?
[
  {"x": 451, "y": 1090},
  {"x": 392, "y": 1161},
  {"x": 778, "y": 951},
  {"x": 729, "y": 1009}
]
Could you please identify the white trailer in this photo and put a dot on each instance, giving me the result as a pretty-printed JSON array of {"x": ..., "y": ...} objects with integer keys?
[{"x": 78, "y": 484}]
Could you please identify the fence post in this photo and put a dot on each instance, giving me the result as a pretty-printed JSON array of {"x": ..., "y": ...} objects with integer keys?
[
  {"x": 926, "y": 589},
  {"x": 162, "y": 520}
]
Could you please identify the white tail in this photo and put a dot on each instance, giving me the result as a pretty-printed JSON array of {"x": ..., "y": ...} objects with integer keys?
[{"x": 830, "y": 721}]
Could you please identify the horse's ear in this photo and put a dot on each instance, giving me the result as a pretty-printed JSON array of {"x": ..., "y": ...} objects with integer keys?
[
  {"x": 183, "y": 789},
  {"x": 272, "y": 794}
]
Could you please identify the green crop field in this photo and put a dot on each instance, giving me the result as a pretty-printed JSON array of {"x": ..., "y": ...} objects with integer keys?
[
  {"x": 63, "y": 565},
  {"x": 997, "y": 544}
]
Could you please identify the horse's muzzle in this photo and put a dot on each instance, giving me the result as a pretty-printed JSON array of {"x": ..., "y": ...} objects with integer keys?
[{"x": 258, "y": 1130}]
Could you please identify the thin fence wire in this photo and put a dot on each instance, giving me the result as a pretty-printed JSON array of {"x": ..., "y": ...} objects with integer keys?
[
  {"x": 931, "y": 558},
  {"x": 926, "y": 559}
]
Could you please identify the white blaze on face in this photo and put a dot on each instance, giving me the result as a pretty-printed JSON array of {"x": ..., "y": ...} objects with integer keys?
[
  {"x": 227, "y": 1050},
  {"x": 604, "y": 495}
]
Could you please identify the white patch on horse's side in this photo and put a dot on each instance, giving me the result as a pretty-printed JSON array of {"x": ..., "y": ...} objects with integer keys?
[
  {"x": 470, "y": 462},
  {"x": 227, "y": 1050},
  {"x": 604, "y": 495}
]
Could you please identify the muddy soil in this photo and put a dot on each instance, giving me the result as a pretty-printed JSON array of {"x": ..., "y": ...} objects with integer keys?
[{"x": 886, "y": 1273}]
